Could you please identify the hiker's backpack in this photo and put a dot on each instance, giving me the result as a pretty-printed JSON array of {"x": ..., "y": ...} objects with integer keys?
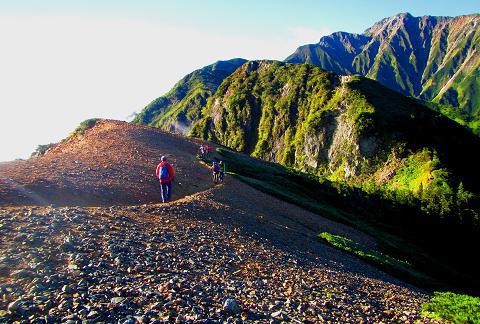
[
  {"x": 164, "y": 174},
  {"x": 216, "y": 167}
]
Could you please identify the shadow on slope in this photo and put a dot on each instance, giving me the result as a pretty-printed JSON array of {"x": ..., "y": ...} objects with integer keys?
[{"x": 439, "y": 250}]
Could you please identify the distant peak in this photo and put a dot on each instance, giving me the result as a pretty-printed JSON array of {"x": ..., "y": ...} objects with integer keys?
[
  {"x": 388, "y": 22},
  {"x": 401, "y": 17},
  {"x": 404, "y": 15}
]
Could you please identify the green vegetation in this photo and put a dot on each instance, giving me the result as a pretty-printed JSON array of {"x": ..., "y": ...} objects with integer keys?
[
  {"x": 380, "y": 260},
  {"x": 42, "y": 149},
  {"x": 352, "y": 131},
  {"x": 416, "y": 172},
  {"x": 84, "y": 126},
  {"x": 181, "y": 106},
  {"x": 459, "y": 115},
  {"x": 270, "y": 106},
  {"x": 351, "y": 150},
  {"x": 451, "y": 307}
]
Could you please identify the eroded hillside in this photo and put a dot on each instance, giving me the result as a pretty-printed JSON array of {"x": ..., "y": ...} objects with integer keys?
[{"x": 224, "y": 253}]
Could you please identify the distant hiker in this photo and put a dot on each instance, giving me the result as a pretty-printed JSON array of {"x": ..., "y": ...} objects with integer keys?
[
  {"x": 202, "y": 151},
  {"x": 216, "y": 171},
  {"x": 221, "y": 164},
  {"x": 272, "y": 155},
  {"x": 166, "y": 175},
  {"x": 207, "y": 150}
]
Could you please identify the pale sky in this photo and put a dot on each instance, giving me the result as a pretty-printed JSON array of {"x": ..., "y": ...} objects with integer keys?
[{"x": 65, "y": 61}]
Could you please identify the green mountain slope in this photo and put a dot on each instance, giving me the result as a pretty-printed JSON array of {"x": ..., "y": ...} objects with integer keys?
[
  {"x": 392, "y": 162},
  {"x": 431, "y": 58},
  {"x": 347, "y": 129},
  {"x": 176, "y": 110}
]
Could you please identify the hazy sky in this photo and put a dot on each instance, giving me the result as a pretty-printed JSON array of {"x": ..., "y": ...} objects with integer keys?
[{"x": 65, "y": 61}]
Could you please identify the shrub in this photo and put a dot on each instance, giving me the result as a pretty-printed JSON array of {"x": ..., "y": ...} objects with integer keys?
[
  {"x": 84, "y": 126},
  {"x": 452, "y": 307},
  {"x": 42, "y": 149}
]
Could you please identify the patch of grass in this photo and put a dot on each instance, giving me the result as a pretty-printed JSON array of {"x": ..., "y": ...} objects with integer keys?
[
  {"x": 452, "y": 307},
  {"x": 416, "y": 172},
  {"x": 378, "y": 259}
]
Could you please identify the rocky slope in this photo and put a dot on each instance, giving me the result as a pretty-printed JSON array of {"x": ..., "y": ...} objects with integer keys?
[
  {"x": 345, "y": 128},
  {"x": 224, "y": 253},
  {"x": 431, "y": 58},
  {"x": 176, "y": 110}
]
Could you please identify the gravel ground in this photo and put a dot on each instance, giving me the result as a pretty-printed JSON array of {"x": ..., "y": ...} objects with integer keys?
[{"x": 204, "y": 258}]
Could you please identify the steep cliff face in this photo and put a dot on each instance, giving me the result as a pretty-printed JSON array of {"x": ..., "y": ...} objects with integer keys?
[
  {"x": 431, "y": 58},
  {"x": 345, "y": 128},
  {"x": 176, "y": 110}
]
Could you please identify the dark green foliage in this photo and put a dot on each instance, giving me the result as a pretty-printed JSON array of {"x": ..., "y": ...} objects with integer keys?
[
  {"x": 269, "y": 100},
  {"x": 42, "y": 149},
  {"x": 203, "y": 129},
  {"x": 181, "y": 106},
  {"x": 451, "y": 307},
  {"x": 431, "y": 58},
  {"x": 406, "y": 162},
  {"x": 459, "y": 115},
  {"x": 351, "y": 130},
  {"x": 375, "y": 159},
  {"x": 406, "y": 120}
]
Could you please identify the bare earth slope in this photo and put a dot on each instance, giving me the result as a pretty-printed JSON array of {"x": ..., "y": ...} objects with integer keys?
[{"x": 112, "y": 163}]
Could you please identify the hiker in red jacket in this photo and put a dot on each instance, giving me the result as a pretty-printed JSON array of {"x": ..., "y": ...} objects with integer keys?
[{"x": 166, "y": 175}]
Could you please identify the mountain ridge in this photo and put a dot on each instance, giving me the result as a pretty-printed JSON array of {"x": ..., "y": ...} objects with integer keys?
[
  {"x": 330, "y": 84},
  {"x": 430, "y": 58}
]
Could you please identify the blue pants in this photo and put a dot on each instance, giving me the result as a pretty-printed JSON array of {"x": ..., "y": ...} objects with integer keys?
[{"x": 166, "y": 190}]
